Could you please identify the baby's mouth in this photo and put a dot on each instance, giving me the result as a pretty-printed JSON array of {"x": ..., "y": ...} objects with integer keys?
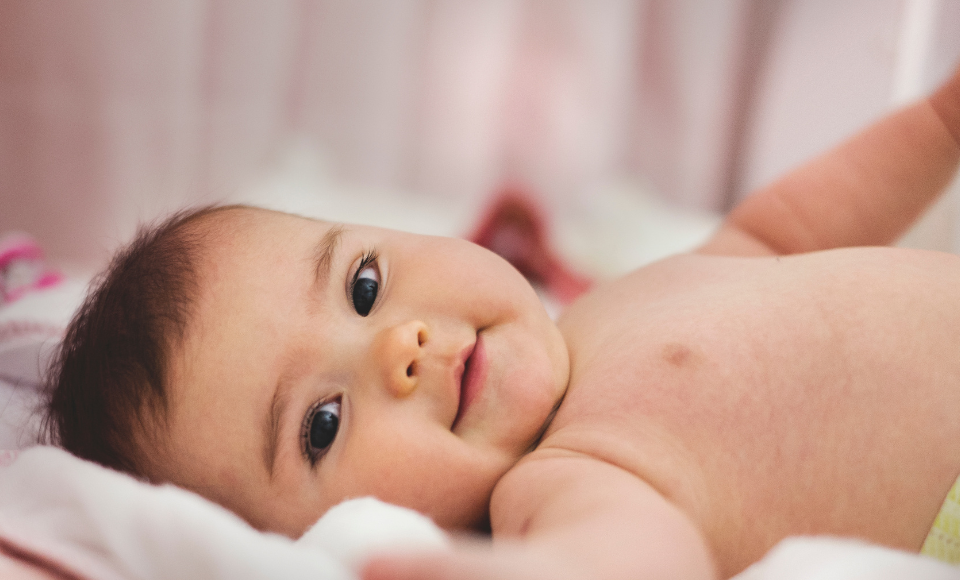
[{"x": 472, "y": 374}]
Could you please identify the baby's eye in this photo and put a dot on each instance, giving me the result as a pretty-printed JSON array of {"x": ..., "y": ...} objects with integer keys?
[
  {"x": 320, "y": 429},
  {"x": 365, "y": 286}
]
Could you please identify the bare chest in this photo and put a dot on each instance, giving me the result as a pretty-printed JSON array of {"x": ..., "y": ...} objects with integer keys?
[{"x": 817, "y": 394}]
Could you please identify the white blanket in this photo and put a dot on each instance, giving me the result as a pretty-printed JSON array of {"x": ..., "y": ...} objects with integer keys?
[{"x": 103, "y": 525}]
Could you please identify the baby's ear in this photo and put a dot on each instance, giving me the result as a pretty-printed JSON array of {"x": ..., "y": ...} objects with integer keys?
[{"x": 357, "y": 529}]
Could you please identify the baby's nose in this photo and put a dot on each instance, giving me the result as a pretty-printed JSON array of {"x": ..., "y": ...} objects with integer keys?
[{"x": 401, "y": 348}]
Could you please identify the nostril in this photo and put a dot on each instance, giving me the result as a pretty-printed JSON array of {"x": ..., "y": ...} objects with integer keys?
[
  {"x": 410, "y": 370},
  {"x": 421, "y": 337}
]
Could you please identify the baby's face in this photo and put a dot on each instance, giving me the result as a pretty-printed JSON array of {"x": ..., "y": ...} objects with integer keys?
[{"x": 325, "y": 362}]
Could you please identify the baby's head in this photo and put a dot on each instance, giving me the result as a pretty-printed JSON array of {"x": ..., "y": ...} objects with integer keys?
[{"x": 278, "y": 365}]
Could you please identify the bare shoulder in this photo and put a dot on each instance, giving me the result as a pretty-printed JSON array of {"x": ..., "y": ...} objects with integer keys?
[
  {"x": 599, "y": 518},
  {"x": 545, "y": 480}
]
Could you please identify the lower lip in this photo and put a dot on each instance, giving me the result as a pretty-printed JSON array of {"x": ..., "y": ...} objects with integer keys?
[{"x": 473, "y": 378}]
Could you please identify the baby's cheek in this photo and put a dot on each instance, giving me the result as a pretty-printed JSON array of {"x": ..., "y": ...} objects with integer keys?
[{"x": 449, "y": 481}]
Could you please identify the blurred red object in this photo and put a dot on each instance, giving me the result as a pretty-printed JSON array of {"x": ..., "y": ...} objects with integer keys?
[{"x": 515, "y": 227}]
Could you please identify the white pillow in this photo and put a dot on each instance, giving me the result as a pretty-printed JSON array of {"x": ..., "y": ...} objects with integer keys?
[{"x": 31, "y": 329}]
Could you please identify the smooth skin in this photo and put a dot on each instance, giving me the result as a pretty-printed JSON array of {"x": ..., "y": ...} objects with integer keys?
[{"x": 781, "y": 380}]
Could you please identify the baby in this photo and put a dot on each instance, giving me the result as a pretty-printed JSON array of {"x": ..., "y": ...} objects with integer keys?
[{"x": 675, "y": 423}]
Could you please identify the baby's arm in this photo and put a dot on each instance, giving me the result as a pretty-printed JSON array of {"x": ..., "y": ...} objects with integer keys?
[
  {"x": 570, "y": 516},
  {"x": 867, "y": 191}
]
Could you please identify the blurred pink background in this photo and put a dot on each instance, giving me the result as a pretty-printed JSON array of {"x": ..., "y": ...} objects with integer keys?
[{"x": 114, "y": 111}]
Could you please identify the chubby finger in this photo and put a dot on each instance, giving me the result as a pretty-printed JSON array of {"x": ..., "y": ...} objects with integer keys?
[
  {"x": 424, "y": 567},
  {"x": 466, "y": 564}
]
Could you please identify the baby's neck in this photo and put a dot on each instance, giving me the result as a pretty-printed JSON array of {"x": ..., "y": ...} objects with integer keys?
[{"x": 546, "y": 425}]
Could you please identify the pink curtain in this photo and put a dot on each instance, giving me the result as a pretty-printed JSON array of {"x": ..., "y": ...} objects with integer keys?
[{"x": 114, "y": 111}]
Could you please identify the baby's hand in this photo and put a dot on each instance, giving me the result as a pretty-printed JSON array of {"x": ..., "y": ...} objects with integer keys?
[{"x": 470, "y": 561}]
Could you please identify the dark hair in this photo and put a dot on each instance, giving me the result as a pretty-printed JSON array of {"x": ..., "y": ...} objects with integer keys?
[{"x": 107, "y": 384}]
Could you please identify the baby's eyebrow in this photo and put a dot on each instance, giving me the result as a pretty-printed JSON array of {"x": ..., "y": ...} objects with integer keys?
[
  {"x": 272, "y": 439},
  {"x": 323, "y": 254},
  {"x": 324, "y": 251}
]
